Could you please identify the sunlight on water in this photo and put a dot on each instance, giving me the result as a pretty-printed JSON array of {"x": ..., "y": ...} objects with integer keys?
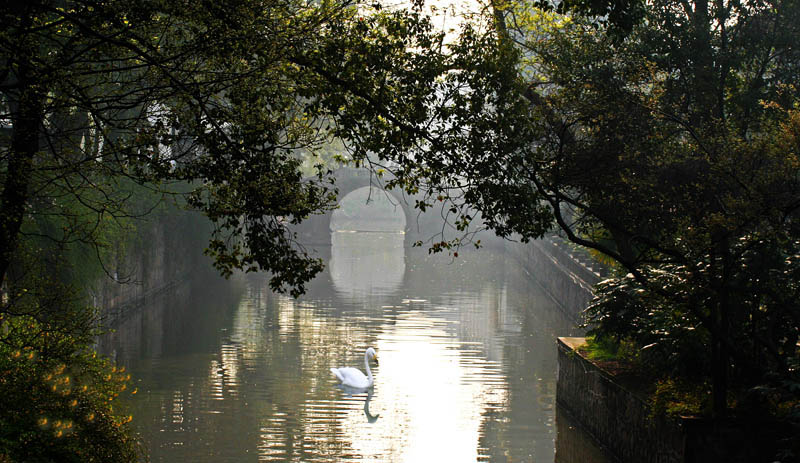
[{"x": 429, "y": 394}]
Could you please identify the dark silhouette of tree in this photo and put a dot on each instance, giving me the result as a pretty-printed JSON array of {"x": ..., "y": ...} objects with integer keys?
[{"x": 661, "y": 134}]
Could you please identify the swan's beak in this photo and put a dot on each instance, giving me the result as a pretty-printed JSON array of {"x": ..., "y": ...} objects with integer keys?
[{"x": 376, "y": 359}]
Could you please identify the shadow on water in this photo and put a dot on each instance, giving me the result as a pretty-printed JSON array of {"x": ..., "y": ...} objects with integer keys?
[
  {"x": 174, "y": 322},
  {"x": 229, "y": 371}
]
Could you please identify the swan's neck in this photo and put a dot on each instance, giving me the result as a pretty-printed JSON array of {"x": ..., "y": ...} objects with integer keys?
[{"x": 366, "y": 364}]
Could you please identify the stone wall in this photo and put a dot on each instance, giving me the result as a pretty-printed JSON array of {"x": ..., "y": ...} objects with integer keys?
[
  {"x": 616, "y": 417},
  {"x": 574, "y": 445},
  {"x": 563, "y": 275},
  {"x": 613, "y": 413},
  {"x": 165, "y": 249}
]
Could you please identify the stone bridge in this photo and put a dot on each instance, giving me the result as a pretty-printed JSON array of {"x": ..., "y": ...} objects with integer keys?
[{"x": 316, "y": 230}]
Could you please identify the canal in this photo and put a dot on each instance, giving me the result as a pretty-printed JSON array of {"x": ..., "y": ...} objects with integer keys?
[{"x": 228, "y": 371}]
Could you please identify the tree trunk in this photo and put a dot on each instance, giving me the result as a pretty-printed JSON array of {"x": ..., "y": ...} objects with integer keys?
[
  {"x": 720, "y": 358},
  {"x": 27, "y": 121},
  {"x": 720, "y": 318},
  {"x": 705, "y": 82}
]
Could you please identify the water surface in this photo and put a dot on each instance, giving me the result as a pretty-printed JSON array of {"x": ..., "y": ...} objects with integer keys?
[{"x": 228, "y": 371}]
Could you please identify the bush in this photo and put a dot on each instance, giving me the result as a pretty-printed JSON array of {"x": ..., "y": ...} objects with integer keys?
[
  {"x": 665, "y": 337},
  {"x": 57, "y": 398}
]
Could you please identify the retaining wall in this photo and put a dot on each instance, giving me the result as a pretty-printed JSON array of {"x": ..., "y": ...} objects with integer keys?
[
  {"x": 618, "y": 418},
  {"x": 562, "y": 275},
  {"x": 611, "y": 410},
  {"x": 165, "y": 250}
]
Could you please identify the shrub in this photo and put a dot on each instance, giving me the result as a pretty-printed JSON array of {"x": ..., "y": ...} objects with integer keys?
[{"x": 57, "y": 398}]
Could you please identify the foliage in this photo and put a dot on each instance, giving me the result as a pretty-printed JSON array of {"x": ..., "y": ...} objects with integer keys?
[
  {"x": 666, "y": 333},
  {"x": 666, "y": 138},
  {"x": 235, "y": 100},
  {"x": 57, "y": 397},
  {"x": 55, "y": 392},
  {"x": 599, "y": 348},
  {"x": 700, "y": 195},
  {"x": 676, "y": 398}
]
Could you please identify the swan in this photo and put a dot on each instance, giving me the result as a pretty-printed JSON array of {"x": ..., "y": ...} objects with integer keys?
[{"x": 353, "y": 377}]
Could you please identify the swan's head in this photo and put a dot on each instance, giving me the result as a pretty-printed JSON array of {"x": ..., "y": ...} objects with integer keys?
[{"x": 371, "y": 354}]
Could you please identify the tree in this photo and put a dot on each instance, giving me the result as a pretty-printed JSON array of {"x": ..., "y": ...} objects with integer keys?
[
  {"x": 101, "y": 95},
  {"x": 663, "y": 134},
  {"x": 107, "y": 107},
  {"x": 689, "y": 121}
]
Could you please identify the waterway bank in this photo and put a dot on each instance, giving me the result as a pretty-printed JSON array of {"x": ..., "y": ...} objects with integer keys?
[
  {"x": 615, "y": 410},
  {"x": 166, "y": 250},
  {"x": 566, "y": 278}
]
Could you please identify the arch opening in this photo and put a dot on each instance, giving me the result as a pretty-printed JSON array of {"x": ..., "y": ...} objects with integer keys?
[{"x": 369, "y": 209}]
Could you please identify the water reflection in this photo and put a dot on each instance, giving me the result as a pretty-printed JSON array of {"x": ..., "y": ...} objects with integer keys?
[
  {"x": 435, "y": 391},
  {"x": 467, "y": 365},
  {"x": 573, "y": 444},
  {"x": 366, "y": 265},
  {"x": 370, "y": 417}
]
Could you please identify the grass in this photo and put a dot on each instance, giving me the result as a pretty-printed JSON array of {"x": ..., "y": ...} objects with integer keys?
[{"x": 667, "y": 396}]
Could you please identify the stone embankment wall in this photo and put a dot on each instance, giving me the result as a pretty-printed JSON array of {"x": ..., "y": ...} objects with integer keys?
[
  {"x": 616, "y": 417},
  {"x": 611, "y": 410},
  {"x": 165, "y": 249},
  {"x": 566, "y": 276}
]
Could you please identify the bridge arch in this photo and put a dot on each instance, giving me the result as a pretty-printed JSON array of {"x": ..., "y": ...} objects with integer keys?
[
  {"x": 317, "y": 229},
  {"x": 350, "y": 180},
  {"x": 369, "y": 208}
]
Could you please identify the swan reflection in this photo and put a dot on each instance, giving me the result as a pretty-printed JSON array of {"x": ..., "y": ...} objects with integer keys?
[
  {"x": 370, "y": 417},
  {"x": 353, "y": 391}
]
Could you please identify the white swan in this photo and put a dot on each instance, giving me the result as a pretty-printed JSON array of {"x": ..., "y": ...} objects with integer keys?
[{"x": 353, "y": 377}]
